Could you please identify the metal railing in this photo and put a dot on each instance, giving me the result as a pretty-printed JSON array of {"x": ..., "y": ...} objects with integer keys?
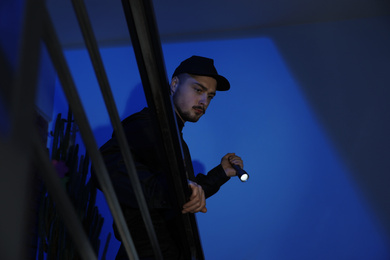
[
  {"x": 54, "y": 49},
  {"x": 147, "y": 47},
  {"x": 145, "y": 39}
]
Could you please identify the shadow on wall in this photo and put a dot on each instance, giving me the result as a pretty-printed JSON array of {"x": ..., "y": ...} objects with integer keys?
[
  {"x": 344, "y": 73},
  {"x": 198, "y": 167}
]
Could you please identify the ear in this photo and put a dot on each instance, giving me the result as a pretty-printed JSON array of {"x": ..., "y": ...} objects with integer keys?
[{"x": 174, "y": 84}]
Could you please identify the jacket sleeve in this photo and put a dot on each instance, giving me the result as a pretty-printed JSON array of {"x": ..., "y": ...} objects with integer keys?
[{"x": 212, "y": 182}]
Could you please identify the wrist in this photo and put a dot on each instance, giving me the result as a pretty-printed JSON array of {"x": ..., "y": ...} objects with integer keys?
[{"x": 229, "y": 171}]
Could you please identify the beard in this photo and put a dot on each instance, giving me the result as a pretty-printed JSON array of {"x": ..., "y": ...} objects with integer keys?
[{"x": 187, "y": 116}]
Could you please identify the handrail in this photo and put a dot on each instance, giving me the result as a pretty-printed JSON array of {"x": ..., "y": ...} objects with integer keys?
[{"x": 147, "y": 47}]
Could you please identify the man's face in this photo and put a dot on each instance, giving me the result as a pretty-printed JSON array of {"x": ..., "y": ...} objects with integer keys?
[{"x": 192, "y": 95}]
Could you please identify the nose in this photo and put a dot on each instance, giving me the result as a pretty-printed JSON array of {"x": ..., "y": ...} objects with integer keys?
[{"x": 203, "y": 100}]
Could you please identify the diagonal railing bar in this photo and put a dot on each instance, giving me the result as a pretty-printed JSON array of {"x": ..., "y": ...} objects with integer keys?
[
  {"x": 93, "y": 50},
  {"x": 23, "y": 93},
  {"x": 62, "y": 201},
  {"x": 147, "y": 47},
  {"x": 54, "y": 48},
  {"x": 29, "y": 144}
]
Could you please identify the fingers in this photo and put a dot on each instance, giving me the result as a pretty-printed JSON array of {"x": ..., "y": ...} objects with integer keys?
[
  {"x": 197, "y": 201},
  {"x": 231, "y": 159},
  {"x": 234, "y": 159}
]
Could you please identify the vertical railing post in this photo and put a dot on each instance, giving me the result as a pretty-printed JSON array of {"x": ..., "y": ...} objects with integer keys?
[{"x": 18, "y": 90}]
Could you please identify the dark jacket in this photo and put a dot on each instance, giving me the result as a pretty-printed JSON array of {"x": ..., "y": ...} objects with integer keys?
[{"x": 148, "y": 154}]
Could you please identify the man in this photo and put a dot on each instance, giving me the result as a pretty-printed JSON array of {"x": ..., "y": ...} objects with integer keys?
[{"x": 194, "y": 84}]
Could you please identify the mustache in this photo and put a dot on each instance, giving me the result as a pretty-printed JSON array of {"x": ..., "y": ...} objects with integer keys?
[{"x": 200, "y": 107}]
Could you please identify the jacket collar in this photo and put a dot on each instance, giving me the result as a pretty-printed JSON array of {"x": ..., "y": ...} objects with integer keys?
[{"x": 180, "y": 122}]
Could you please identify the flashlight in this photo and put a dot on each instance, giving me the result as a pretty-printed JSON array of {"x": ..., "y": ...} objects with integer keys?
[{"x": 243, "y": 175}]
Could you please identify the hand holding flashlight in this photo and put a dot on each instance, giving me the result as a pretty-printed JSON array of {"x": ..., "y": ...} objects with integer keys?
[{"x": 233, "y": 165}]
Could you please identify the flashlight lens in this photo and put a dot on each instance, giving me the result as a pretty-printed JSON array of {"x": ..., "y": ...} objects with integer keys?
[{"x": 244, "y": 177}]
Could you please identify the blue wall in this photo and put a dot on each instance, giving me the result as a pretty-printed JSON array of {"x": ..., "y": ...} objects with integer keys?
[{"x": 308, "y": 112}]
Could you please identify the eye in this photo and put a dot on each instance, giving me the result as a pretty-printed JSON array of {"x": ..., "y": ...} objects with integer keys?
[
  {"x": 198, "y": 90},
  {"x": 210, "y": 97}
]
